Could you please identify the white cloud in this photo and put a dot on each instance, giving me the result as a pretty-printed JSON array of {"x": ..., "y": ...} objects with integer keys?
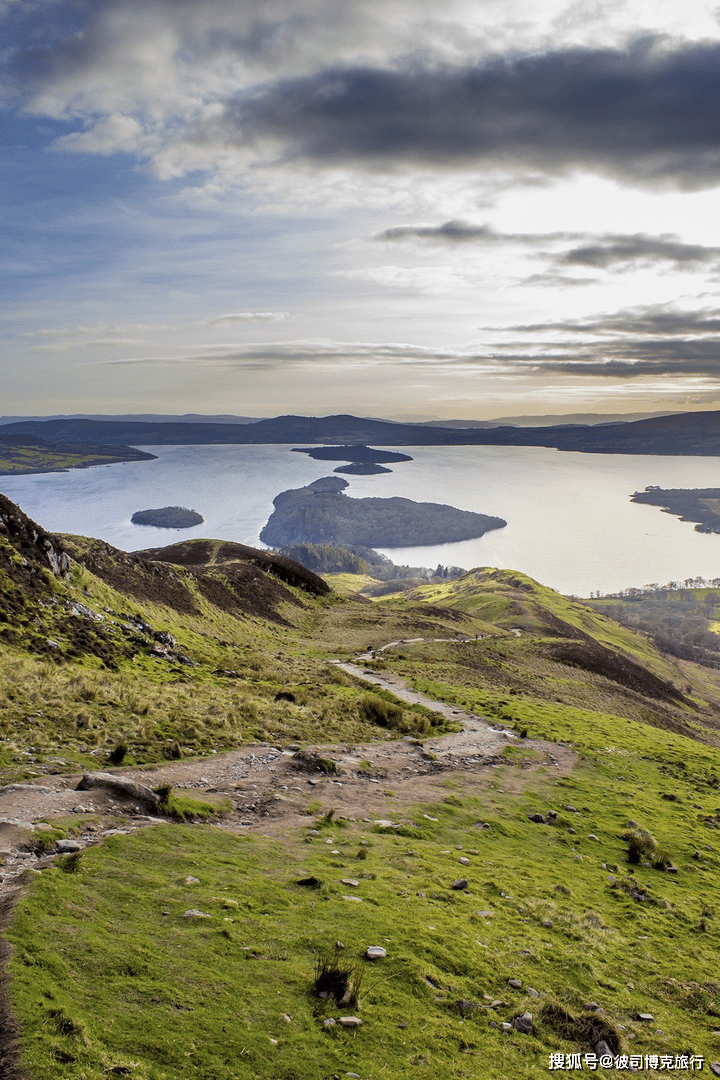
[{"x": 251, "y": 316}]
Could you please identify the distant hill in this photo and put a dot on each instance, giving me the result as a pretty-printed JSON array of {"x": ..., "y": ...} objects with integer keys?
[{"x": 695, "y": 433}]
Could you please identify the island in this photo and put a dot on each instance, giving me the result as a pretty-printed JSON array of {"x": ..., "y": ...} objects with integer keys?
[
  {"x": 689, "y": 504},
  {"x": 357, "y": 453},
  {"x": 321, "y": 514},
  {"x": 362, "y": 468},
  {"x": 168, "y": 517}
]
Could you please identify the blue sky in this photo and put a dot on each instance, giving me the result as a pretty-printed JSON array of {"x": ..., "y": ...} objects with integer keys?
[{"x": 320, "y": 206}]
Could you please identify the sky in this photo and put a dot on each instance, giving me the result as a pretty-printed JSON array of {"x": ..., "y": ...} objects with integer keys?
[{"x": 391, "y": 208}]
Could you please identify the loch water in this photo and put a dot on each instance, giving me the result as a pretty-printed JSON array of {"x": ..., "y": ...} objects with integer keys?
[{"x": 571, "y": 524}]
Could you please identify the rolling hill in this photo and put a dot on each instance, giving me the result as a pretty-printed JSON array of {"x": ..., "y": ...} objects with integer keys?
[{"x": 520, "y": 816}]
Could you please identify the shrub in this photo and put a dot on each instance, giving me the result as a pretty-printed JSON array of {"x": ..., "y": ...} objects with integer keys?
[
  {"x": 641, "y": 845},
  {"x": 117, "y": 756},
  {"x": 333, "y": 979}
]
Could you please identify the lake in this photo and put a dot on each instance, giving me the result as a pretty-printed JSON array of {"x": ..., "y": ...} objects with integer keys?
[{"x": 571, "y": 524}]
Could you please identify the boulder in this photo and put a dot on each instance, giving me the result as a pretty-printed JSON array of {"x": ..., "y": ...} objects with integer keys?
[{"x": 120, "y": 786}]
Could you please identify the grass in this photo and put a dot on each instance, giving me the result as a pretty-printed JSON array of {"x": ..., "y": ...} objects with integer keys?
[
  {"x": 108, "y": 974},
  {"x": 110, "y": 978}
]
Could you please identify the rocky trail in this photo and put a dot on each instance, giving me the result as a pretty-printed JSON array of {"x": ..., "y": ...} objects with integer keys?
[{"x": 268, "y": 787}]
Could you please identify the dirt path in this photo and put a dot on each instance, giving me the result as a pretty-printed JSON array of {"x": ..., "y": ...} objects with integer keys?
[{"x": 269, "y": 786}]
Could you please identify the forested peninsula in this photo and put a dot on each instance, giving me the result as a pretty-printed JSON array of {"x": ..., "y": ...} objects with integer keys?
[{"x": 689, "y": 504}]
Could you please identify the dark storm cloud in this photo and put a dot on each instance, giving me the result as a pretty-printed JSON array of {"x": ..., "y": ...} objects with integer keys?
[{"x": 647, "y": 113}]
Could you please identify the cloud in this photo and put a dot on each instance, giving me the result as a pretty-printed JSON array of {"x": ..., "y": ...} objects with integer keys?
[
  {"x": 639, "y": 249},
  {"x": 250, "y": 316},
  {"x": 189, "y": 86},
  {"x": 662, "y": 319},
  {"x": 316, "y": 352},
  {"x": 464, "y": 232},
  {"x": 552, "y": 280},
  {"x": 454, "y": 232},
  {"x": 651, "y": 341},
  {"x": 646, "y": 114}
]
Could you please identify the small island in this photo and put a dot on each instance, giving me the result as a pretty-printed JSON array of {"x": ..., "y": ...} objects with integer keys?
[
  {"x": 168, "y": 517},
  {"x": 362, "y": 468},
  {"x": 321, "y": 514},
  {"x": 357, "y": 453}
]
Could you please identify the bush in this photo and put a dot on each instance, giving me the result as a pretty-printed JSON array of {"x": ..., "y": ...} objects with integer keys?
[
  {"x": 333, "y": 979},
  {"x": 378, "y": 711},
  {"x": 117, "y": 756},
  {"x": 641, "y": 846}
]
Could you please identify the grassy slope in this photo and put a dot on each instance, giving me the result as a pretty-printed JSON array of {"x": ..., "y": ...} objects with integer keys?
[
  {"x": 103, "y": 979},
  {"x": 111, "y": 976}
]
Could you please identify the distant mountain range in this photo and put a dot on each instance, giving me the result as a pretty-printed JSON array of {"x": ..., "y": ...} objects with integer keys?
[{"x": 695, "y": 433}]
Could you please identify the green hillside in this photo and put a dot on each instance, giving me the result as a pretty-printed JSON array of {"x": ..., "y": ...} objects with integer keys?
[{"x": 601, "y": 913}]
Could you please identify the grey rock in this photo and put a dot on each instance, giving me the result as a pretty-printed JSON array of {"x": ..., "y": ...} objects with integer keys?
[
  {"x": 551, "y": 817},
  {"x": 572, "y": 809},
  {"x": 492, "y": 1023},
  {"x": 193, "y": 913},
  {"x": 506, "y": 1026},
  {"x": 532, "y": 992},
  {"x": 467, "y": 1007},
  {"x": 715, "y": 1068},
  {"x": 547, "y": 923},
  {"x": 464, "y": 860},
  {"x": 350, "y": 1022},
  {"x": 539, "y": 819},
  {"x": 120, "y": 786},
  {"x": 375, "y": 952},
  {"x": 524, "y": 1023},
  {"x": 612, "y": 880},
  {"x": 602, "y": 1049},
  {"x": 515, "y": 983},
  {"x": 190, "y": 880},
  {"x": 592, "y": 836},
  {"x": 592, "y": 1006},
  {"x": 646, "y": 1018},
  {"x": 350, "y": 881},
  {"x": 68, "y": 845},
  {"x": 330, "y": 1022},
  {"x": 461, "y": 883}
]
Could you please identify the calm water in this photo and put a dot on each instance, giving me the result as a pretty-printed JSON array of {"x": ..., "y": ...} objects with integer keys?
[{"x": 571, "y": 524}]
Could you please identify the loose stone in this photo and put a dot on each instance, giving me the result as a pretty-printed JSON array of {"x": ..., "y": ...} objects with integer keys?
[
  {"x": 515, "y": 983},
  {"x": 375, "y": 952},
  {"x": 350, "y": 1022},
  {"x": 461, "y": 883},
  {"x": 524, "y": 1023}
]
